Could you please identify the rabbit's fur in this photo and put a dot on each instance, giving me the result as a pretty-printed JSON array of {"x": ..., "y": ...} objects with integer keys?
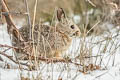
[{"x": 53, "y": 41}]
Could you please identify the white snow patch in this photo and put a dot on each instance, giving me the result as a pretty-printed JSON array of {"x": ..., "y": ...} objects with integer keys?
[{"x": 69, "y": 71}]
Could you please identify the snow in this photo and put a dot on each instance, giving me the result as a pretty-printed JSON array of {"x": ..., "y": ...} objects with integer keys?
[
  {"x": 5, "y": 40},
  {"x": 68, "y": 71},
  {"x": 77, "y": 19}
]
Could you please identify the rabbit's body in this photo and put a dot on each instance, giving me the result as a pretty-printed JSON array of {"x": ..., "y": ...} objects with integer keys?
[
  {"x": 52, "y": 41},
  {"x": 49, "y": 40}
]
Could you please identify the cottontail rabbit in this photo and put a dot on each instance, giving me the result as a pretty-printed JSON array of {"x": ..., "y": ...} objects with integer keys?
[{"x": 52, "y": 41}]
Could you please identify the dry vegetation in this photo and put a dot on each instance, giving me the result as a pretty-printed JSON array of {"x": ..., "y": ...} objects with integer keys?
[{"x": 90, "y": 12}]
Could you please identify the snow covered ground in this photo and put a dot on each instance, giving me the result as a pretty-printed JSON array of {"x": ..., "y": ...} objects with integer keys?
[{"x": 107, "y": 45}]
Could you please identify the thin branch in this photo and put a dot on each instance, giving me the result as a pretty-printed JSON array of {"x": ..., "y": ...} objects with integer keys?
[
  {"x": 7, "y": 46},
  {"x": 54, "y": 60},
  {"x": 93, "y": 26},
  {"x": 10, "y": 24},
  {"x": 29, "y": 19},
  {"x": 14, "y": 13},
  {"x": 91, "y": 3},
  {"x": 10, "y": 57}
]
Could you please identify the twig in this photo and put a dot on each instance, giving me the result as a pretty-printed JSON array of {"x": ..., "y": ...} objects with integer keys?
[
  {"x": 7, "y": 46},
  {"x": 29, "y": 19},
  {"x": 6, "y": 49},
  {"x": 10, "y": 57},
  {"x": 10, "y": 24},
  {"x": 54, "y": 60},
  {"x": 101, "y": 74},
  {"x": 13, "y": 13},
  {"x": 91, "y": 3},
  {"x": 93, "y": 26}
]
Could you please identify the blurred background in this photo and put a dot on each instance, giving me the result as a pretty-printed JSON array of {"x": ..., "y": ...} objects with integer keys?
[{"x": 85, "y": 13}]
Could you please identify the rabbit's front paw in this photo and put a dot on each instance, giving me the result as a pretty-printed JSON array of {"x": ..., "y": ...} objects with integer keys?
[{"x": 57, "y": 55}]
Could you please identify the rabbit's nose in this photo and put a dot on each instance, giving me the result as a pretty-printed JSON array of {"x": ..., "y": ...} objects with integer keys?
[{"x": 77, "y": 33}]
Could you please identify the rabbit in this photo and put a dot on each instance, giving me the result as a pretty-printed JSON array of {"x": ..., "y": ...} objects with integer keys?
[{"x": 53, "y": 41}]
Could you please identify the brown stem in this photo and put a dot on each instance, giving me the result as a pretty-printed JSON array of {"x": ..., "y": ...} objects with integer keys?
[{"x": 10, "y": 24}]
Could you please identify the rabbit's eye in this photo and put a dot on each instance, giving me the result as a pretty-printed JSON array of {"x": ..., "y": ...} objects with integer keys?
[{"x": 72, "y": 26}]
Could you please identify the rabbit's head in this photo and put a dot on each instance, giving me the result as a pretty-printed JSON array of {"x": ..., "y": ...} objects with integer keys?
[{"x": 65, "y": 25}]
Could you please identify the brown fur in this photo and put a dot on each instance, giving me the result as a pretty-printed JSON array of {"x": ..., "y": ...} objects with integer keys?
[{"x": 53, "y": 41}]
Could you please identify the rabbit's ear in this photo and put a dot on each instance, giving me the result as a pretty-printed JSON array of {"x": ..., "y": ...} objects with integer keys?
[{"x": 60, "y": 14}]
